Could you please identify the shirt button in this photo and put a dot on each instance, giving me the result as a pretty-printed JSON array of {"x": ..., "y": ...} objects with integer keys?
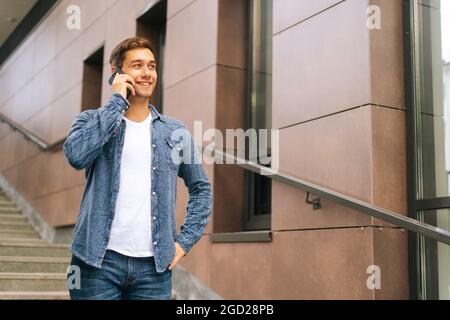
[
  {"x": 154, "y": 242},
  {"x": 153, "y": 193},
  {"x": 154, "y": 168},
  {"x": 153, "y": 145},
  {"x": 154, "y": 218}
]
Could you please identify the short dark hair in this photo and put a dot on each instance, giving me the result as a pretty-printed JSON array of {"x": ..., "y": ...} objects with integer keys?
[{"x": 118, "y": 53}]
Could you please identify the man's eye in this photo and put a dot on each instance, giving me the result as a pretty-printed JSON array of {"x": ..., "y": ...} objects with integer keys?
[{"x": 136, "y": 66}]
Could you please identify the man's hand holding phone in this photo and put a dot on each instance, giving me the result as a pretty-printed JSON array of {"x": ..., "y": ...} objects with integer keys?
[{"x": 123, "y": 84}]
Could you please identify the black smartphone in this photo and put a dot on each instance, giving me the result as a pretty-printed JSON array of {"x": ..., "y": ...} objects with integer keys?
[{"x": 111, "y": 79}]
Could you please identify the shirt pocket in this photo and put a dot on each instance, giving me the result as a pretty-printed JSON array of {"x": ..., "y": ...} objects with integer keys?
[{"x": 173, "y": 152}]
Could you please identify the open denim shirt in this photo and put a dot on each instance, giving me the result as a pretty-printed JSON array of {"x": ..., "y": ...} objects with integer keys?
[{"x": 95, "y": 143}]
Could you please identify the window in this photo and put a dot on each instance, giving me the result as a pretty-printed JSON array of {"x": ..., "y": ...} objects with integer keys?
[
  {"x": 92, "y": 81},
  {"x": 152, "y": 25},
  {"x": 428, "y": 101},
  {"x": 259, "y": 110}
]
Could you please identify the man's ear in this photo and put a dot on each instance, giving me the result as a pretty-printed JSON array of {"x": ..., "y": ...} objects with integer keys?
[{"x": 113, "y": 68}]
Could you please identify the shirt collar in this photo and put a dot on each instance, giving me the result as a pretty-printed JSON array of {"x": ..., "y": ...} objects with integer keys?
[{"x": 155, "y": 113}]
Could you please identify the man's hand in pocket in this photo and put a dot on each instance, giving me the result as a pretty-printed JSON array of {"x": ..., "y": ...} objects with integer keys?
[{"x": 179, "y": 253}]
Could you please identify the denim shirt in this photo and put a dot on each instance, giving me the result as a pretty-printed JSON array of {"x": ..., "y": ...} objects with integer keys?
[{"x": 95, "y": 142}]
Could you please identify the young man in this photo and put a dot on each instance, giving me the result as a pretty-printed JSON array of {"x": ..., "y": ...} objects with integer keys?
[{"x": 125, "y": 242}]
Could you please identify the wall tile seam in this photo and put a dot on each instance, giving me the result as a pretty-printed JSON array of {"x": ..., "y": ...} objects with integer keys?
[
  {"x": 372, "y": 136},
  {"x": 180, "y": 10},
  {"x": 375, "y": 227},
  {"x": 54, "y": 192},
  {"x": 307, "y": 18},
  {"x": 339, "y": 112},
  {"x": 42, "y": 109},
  {"x": 371, "y": 155},
  {"x": 370, "y": 39},
  {"x": 169, "y": 87},
  {"x": 60, "y": 52},
  {"x": 226, "y": 66},
  {"x": 200, "y": 71},
  {"x": 20, "y": 161}
]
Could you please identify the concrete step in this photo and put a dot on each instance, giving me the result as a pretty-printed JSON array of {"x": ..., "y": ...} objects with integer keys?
[
  {"x": 24, "y": 226},
  {"x": 19, "y": 234},
  {"x": 12, "y": 218},
  {"x": 6, "y": 203},
  {"x": 10, "y": 210},
  {"x": 34, "y": 295},
  {"x": 8, "y": 207},
  {"x": 8, "y": 238},
  {"x": 33, "y": 282},
  {"x": 34, "y": 249},
  {"x": 34, "y": 264},
  {"x": 33, "y": 242}
]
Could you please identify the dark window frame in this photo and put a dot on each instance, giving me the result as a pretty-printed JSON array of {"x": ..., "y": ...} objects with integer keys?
[
  {"x": 423, "y": 269},
  {"x": 155, "y": 18},
  {"x": 257, "y": 216},
  {"x": 95, "y": 63}
]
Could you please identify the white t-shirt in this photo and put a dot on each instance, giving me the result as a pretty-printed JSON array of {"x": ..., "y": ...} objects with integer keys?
[{"x": 131, "y": 231}]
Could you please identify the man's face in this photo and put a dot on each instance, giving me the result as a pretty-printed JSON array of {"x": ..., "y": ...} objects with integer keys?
[{"x": 140, "y": 64}]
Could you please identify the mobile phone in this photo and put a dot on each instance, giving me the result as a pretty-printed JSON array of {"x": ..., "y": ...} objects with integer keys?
[{"x": 111, "y": 79}]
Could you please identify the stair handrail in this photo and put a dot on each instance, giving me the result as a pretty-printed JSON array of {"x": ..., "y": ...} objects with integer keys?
[
  {"x": 396, "y": 219},
  {"x": 31, "y": 136}
]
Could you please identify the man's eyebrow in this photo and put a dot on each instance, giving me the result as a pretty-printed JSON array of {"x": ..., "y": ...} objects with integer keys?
[{"x": 140, "y": 60}]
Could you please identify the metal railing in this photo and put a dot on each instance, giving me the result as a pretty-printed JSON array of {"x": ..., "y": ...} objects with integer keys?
[
  {"x": 28, "y": 135},
  {"x": 396, "y": 219}
]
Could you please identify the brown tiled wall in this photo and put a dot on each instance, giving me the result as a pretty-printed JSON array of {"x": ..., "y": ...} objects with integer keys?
[
  {"x": 338, "y": 101},
  {"x": 339, "y": 104},
  {"x": 41, "y": 90}
]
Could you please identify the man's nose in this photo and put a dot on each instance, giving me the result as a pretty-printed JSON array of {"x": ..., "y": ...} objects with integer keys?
[{"x": 146, "y": 71}]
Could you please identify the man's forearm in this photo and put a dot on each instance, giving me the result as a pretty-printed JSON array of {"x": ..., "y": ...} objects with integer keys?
[{"x": 90, "y": 131}]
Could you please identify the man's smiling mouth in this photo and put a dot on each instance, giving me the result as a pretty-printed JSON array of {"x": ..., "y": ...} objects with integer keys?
[{"x": 144, "y": 84}]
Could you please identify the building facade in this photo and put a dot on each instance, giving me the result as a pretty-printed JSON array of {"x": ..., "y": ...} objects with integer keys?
[{"x": 346, "y": 84}]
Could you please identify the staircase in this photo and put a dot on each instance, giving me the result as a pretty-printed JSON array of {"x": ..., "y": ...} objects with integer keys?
[{"x": 30, "y": 268}]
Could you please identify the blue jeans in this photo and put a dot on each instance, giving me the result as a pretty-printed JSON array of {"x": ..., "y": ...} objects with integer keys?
[{"x": 121, "y": 278}]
